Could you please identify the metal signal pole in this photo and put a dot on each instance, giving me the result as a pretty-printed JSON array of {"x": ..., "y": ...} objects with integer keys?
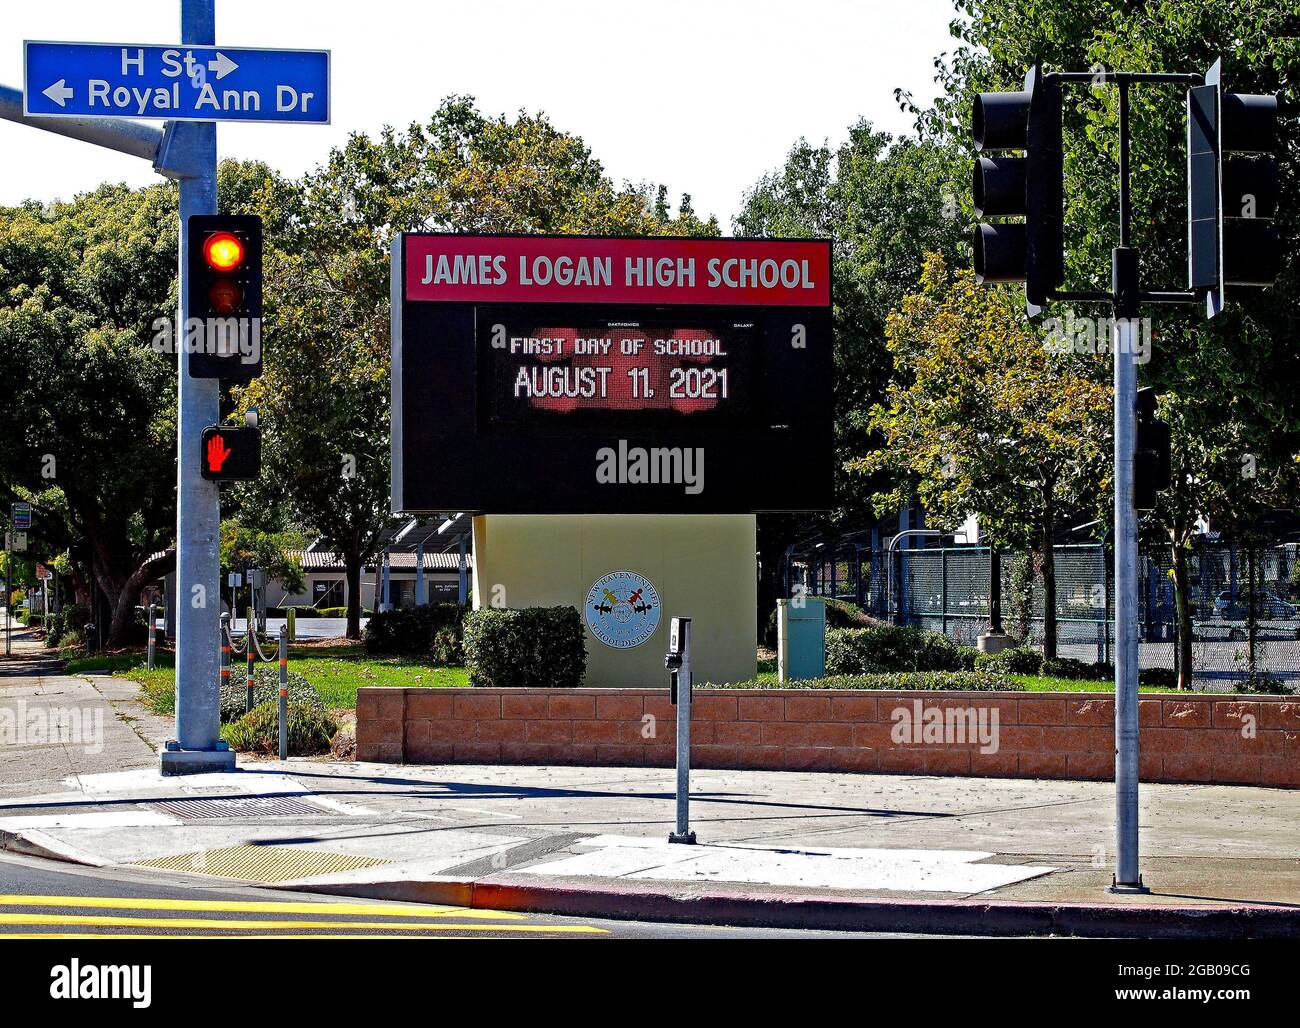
[{"x": 197, "y": 746}]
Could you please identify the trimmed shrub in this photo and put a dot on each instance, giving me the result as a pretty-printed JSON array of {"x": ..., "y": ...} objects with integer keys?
[
  {"x": 929, "y": 681},
  {"x": 1015, "y": 660},
  {"x": 855, "y": 651},
  {"x": 537, "y": 646},
  {"x": 1067, "y": 667},
  {"x": 309, "y": 730},
  {"x": 266, "y": 689},
  {"x": 328, "y": 612},
  {"x": 434, "y": 630},
  {"x": 1158, "y": 677}
]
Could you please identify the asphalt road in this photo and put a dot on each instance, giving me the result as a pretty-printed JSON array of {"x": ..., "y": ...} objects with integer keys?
[{"x": 45, "y": 899}]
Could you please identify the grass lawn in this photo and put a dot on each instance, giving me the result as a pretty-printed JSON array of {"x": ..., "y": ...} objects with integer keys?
[{"x": 337, "y": 672}]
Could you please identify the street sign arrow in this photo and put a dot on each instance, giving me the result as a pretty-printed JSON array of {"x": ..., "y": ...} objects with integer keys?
[
  {"x": 222, "y": 65},
  {"x": 59, "y": 93},
  {"x": 176, "y": 83}
]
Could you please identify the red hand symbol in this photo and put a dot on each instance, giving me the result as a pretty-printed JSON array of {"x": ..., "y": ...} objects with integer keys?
[{"x": 217, "y": 453}]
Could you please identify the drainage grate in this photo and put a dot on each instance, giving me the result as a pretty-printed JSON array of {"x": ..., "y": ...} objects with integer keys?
[
  {"x": 249, "y": 806},
  {"x": 262, "y": 863}
]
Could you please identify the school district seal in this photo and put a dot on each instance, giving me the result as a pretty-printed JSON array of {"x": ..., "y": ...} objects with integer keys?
[{"x": 622, "y": 610}]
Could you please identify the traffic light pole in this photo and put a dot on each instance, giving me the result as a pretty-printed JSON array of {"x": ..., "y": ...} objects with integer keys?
[{"x": 197, "y": 746}]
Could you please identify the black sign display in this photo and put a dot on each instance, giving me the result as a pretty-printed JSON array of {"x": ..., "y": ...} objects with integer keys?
[{"x": 576, "y": 404}]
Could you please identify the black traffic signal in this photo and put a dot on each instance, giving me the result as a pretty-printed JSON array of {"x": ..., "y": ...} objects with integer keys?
[
  {"x": 224, "y": 269},
  {"x": 230, "y": 454},
  {"x": 1153, "y": 456},
  {"x": 1029, "y": 187},
  {"x": 1232, "y": 189}
]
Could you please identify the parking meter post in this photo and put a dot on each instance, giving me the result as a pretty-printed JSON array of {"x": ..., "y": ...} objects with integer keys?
[
  {"x": 284, "y": 693},
  {"x": 678, "y": 663},
  {"x": 152, "y": 641},
  {"x": 291, "y": 622}
]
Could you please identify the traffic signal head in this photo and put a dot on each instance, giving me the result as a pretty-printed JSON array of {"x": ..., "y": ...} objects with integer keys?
[
  {"x": 224, "y": 294},
  {"x": 1028, "y": 187},
  {"x": 1153, "y": 453},
  {"x": 230, "y": 454},
  {"x": 1232, "y": 189}
]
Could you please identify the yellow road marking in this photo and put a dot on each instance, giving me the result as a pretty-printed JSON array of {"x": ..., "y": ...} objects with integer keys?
[
  {"x": 253, "y": 906},
  {"x": 228, "y": 923},
  {"x": 164, "y": 935}
]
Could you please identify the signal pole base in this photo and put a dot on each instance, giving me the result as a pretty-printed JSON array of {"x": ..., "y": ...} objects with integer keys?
[
  {"x": 1128, "y": 890},
  {"x": 195, "y": 762},
  {"x": 687, "y": 838}
]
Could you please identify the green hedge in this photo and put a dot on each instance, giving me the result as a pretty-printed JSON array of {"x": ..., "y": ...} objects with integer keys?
[
  {"x": 929, "y": 681},
  {"x": 266, "y": 689},
  {"x": 856, "y": 651},
  {"x": 435, "y": 630},
  {"x": 537, "y": 646},
  {"x": 309, "y": 730},
  {"x": 839, "y": 614}
]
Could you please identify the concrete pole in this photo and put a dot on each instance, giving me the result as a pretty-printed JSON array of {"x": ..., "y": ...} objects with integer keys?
[
  {"x": 197, "y": 746},
  {"x": 421, "y": 593},
  {"x": 462, "y": 574},
  {"x": 683, "y": 834},
  {"x": 1127, "y": 875}
]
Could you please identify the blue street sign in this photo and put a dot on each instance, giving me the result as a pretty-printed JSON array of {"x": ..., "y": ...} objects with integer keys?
[
  {"x": 21, "y": 515},
  {"x": 176, "y": 83}
]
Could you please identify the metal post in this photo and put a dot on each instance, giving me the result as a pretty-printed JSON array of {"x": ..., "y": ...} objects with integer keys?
[
  {"x": 153, "y": 632},
  {"x": 387, "y": 602},
  {"x": 8, "y": 597},
  {"x": 943, "y": 590},
  {"x": 198, "y": 746},
  {"x": 252, "y": 670},
  {"x": 1127, "y": 876},
  {"x": 421, "y": 593},
  {"x": 284, "y": 694},
  {"x": 225, "y": 653},
  {"x": 684, "y": 687}
]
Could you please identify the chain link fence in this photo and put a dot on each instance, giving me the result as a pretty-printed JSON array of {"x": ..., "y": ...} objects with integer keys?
[{"x": 1244, "y": 600}]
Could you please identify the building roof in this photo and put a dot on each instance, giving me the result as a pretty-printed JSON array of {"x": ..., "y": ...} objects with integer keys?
[{"x": 326, "y": 560}]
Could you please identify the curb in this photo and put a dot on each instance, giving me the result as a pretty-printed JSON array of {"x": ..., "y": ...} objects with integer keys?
[
  {"x": 38, "y": 844},
  {"x": 771, "y": 909}
]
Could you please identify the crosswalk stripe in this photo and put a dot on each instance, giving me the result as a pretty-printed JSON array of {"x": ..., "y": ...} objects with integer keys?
[
  {"x": 253, "y": 906},
  {"x": 104, "y": 921}
]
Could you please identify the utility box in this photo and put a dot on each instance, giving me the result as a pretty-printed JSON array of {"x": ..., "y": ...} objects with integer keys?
[{"x": 801, "y": 638}]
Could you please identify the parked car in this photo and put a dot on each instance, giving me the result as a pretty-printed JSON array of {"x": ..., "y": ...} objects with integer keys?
[{"x": 1269, "y": 607}]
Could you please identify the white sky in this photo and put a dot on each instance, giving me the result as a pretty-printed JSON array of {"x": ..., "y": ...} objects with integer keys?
[{"x": 704, "y": 96}]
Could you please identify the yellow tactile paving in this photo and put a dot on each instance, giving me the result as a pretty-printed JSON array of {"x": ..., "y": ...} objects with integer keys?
[
  {"x": 110, "y": 921},
  {"x": 253, "y": 906}
]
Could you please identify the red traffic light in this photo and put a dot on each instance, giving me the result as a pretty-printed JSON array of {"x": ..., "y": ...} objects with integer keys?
[{"x": 223, "y": 251}]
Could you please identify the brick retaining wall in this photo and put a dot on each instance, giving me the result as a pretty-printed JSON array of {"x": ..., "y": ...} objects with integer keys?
[{"x": 1039, "y": 735}]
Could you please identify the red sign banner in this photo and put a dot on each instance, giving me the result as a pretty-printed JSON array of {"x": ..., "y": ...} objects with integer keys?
[{"x": 580, "y": 269}]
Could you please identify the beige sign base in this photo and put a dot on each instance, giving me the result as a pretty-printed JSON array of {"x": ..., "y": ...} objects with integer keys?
[{"x": 702, "y": 566}]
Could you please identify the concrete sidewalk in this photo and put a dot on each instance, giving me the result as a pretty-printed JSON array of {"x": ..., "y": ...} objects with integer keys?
[
  {"x": 934, "y": 853},
  {"x": 877, "y": 852}
]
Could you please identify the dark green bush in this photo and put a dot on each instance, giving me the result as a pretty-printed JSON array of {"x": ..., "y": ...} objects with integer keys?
[
  {"x": 1263, "y": 684},
  {"x": 855, "y": 651},
  {"x": 1158, "y": 677},
  {"x": 328, "y": 612},
  {"x": 537, "y": 646},
  {"x": 309, "y": 730},
  {"x": 930, "y": 681},
  {"x": 266, "y": 689},
  {"x": 433, "y": 630},
  {"x": 1067, "y": 667},
  {"x": 1015, "y": 660}
]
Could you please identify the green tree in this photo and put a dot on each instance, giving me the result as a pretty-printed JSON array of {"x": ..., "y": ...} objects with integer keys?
[
  {"x": 884, "y": 203},
  {"x": 1228, "y": 384},
  {"x": 92, "y": 408},
  {"x": 983, "y": 417},
  {"x": 325, "y": 392}
]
